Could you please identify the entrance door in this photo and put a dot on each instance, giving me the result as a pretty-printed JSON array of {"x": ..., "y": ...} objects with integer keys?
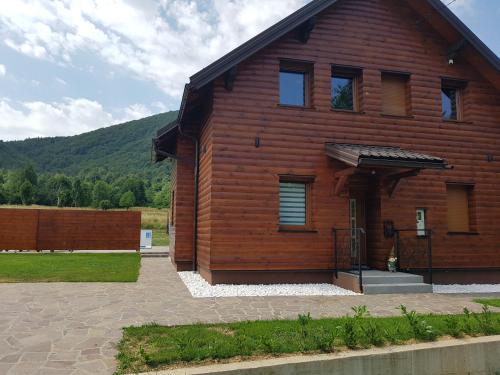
[{"x": 357, "y": 222}]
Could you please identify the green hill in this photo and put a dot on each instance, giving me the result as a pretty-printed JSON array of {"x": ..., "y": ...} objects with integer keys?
[{"x": 120, "y": 149}]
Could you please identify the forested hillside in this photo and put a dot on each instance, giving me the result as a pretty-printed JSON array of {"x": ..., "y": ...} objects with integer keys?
[
  {"x": 121, "y": 148},
  {"x": 106, "y": 168}
]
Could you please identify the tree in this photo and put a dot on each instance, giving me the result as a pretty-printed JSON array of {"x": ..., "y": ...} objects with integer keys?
[
  {"x": 105, "y": 205},
  {"x": 80, "y": 193},
  {"x": 127, "y": 200},
  {"x": 27, "y": 193},
  {"x": 163, "y": 197},
  {"x": 3, "y": 196},
  {"x": 61, "y": 186},
  {"x": 101, "y": 192},
  {"x": 28, "y": 174}
]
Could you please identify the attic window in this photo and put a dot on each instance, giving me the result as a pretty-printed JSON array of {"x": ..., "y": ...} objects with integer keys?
[
  {"x": 296, "y": 83},
  {"x": 452, "y": 99}
]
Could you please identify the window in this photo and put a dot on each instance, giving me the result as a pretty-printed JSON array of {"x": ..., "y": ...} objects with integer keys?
[
  {"x": 458, "y": 197},
  {"x": 395, "y": 96},
  {"x": 451, "y": 100},
  {"x": 295, "y": 207},
  {"x": 295, "y": 83},
  {"x": 345, "y": 82}
]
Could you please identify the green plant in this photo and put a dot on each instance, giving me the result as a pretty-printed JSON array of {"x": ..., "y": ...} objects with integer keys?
[
  {"x": 485, "y": 321},
  {"x": 453, "y": 326},
  {"x": 421, "y": 330}
]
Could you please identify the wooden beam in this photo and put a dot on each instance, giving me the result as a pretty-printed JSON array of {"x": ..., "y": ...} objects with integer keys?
[
  {"x": 342, "y": 177},
  {"x": 346, "y": 172},
  {"x": 304, "y": 31},
  {"x": 395, "y": 180},
  {"x": 454, "y": 50},
  {"x": 400, "y": 175},
  {"x": 230, "y": 78}
]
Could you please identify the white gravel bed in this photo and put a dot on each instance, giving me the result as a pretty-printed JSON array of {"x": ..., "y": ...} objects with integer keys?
[
  {"x": 471, "y": 288},
  {"x": 199, "y": 288}
]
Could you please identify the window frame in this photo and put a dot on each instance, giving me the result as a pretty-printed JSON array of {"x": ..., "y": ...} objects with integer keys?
[
  {"x": 459, "y": 87},
  {"x": 404, "y": 76},
  {"x": 298, "y": 67},
  {"x": 308, "y": 182},
  {"x": 355, "y": 75}
]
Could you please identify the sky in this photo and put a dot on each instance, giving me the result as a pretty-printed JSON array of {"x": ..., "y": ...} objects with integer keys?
[{"x": 72, "y": 66}]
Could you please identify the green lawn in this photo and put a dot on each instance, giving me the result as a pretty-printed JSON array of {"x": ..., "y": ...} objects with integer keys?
[
  {"x": 69, "y": 267},
  {"x": 153, "y": 347},
  {"x": 489, "y": 302},
  {"x": 160, "y": 237}
]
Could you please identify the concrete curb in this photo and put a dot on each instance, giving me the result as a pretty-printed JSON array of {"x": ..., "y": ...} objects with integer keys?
[{"x": 469, "y": 356}]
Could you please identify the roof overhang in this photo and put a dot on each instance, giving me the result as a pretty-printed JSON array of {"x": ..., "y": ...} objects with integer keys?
[
  {"x": 165, "y": 142},
  {"x": 361, "y": 156}
]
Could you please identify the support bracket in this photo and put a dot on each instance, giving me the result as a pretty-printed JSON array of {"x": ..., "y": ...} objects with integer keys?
[
  {"x": 304, "y": 31},
  {"x": 230, "y": 78}
]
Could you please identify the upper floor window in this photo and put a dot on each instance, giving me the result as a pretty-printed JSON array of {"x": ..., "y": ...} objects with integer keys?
[
  {"x": 395, "y": 98},
  {"x": 295, "y": 83},
  {"x": 345, "y": 88},
  {"x": 452, "y": 100}
]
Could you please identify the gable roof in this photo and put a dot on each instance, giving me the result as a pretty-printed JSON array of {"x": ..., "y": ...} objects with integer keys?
[
  {"x": 301, "y": 16},
  {"x": 295, "y": 20}
]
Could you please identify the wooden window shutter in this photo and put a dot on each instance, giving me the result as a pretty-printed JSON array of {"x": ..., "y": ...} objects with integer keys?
[
  {"x": 394, "y": 98},
  {"x": 458, "y": 208}
]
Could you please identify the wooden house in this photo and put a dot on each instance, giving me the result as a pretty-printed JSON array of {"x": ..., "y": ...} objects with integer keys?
[{"x": 347, "y": 133}]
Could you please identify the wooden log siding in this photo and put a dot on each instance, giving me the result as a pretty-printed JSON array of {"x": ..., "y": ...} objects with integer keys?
[
  {"x": 241, "y": 205},
  {"x": 25, "y": 229}
]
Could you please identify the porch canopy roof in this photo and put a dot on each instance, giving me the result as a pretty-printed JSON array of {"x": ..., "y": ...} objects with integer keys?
[{"x": 382, "y": 156}]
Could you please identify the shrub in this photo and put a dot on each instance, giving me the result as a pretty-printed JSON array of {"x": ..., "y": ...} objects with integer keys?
[{"x": 421, "y": 330}]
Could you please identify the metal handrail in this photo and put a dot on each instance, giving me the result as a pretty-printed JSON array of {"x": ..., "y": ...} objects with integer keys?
[
  {"x": 335, "y": 247},
  {"x": 428, "y": 235}
]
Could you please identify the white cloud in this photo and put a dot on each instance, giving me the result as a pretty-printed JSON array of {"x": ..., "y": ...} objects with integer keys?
[
  {"x": 68, "y": 117},
  {"x": 162, "y": 41},
  {"x": 3, "y": 70}
]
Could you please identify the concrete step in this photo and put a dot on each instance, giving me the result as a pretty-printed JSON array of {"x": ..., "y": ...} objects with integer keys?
[
  {"x": 392, "y": 278},
  {"x": 397, "y": 288},
  {"x": 154, "y": 255}
]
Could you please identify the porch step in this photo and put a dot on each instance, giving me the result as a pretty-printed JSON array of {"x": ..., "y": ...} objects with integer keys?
[
  {"x": 382, "y": 282},
  {"x": 380, "y": 277},
  {"x": 399, "y": 288},
  {"x": 154, "y": 255}
]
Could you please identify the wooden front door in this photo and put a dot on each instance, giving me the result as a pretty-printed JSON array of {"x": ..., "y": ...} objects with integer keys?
[{"x": 357, "y": 224}]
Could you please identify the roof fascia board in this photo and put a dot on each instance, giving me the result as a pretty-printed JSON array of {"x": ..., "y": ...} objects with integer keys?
[
  {"x": 258, "y": 42},
  {"x": 467, "y": 33}
]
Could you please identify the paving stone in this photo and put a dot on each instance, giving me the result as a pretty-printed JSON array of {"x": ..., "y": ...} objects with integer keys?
[
  {"x": 34, "y": 357},
  {"x": 76, "y": 327}
]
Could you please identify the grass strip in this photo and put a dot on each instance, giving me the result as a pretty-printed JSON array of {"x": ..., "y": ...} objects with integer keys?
[
  {"x": 495, "y": 302},
  {"x": 29, "y": 268},
  {"x": 152, "y": 347}
]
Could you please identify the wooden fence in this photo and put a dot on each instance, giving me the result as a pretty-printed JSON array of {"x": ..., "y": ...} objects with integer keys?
[{"x": 37, "y": 230}]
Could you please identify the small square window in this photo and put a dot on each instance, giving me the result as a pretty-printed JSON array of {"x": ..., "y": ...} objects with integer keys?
[
  {"x": 344, "y": 86},
  {"x": 451, "y": 100},
  {"x": 295, "y": 84}
]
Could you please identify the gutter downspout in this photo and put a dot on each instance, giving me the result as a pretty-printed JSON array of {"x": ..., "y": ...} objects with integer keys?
[{"x": 196, "y": 194}]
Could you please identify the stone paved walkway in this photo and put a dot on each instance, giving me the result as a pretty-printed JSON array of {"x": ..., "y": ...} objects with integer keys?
[{"x": 72, "y": 328}]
